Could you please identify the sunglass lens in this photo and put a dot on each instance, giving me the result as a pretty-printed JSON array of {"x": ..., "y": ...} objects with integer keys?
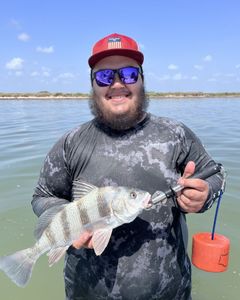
[
  {"x": 104, "y": 77},
  {"x": 129, "y": 75}
]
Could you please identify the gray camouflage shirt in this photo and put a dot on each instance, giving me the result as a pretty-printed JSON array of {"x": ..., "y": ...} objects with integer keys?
[{"x": 147, "y": 258}]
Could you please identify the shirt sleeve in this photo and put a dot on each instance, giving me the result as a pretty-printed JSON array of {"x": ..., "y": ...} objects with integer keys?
[
  {"x": 54, "y": 184},
  {"x": 192, "y": 149}
]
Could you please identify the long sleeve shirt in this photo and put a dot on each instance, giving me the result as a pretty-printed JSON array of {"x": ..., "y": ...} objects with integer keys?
[{"x": 146, "y": 259}]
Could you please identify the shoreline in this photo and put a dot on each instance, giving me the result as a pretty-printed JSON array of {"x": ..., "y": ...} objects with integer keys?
[{"x": 79, "y": 96}]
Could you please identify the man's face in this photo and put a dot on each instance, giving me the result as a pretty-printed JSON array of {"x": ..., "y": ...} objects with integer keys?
[{"x": 119, "y": 105}]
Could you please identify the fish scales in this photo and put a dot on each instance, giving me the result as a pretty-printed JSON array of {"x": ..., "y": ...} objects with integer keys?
[
  {"x": 93, "y": 206},
  {"x": 67, "y": 222},
  {"x": 93, "y": 211},
  {"x": 50, "y": 236},
  {"x": 99, "y": 211},
  {"x": 103, "y": 205},
  {"x": 83, "y": 214},
  {"x": 63, "y": 228},
  {"x": 42, "y": 244},
  {"x": 56, "y": 228},
  {"x": 74, "y": 221}
]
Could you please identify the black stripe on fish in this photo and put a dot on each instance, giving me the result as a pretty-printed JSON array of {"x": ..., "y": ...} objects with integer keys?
[
  {"x": 103, "y": 208},
  {"x": 50, "y": 235},
  {"x": 84, "y": 217},
  {"x": 65, "y": 225}
]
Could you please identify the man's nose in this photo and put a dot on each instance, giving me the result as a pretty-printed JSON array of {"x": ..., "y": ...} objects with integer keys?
[{"x": 117, "y": 81}]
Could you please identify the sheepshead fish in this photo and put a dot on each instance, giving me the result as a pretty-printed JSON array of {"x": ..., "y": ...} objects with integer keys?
[{"x": 96, "y": 210}]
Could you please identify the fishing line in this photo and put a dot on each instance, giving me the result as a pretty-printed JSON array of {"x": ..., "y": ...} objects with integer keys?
[
  {"x": 210, "y": 251},
  {"x": 216, "y": 214}
]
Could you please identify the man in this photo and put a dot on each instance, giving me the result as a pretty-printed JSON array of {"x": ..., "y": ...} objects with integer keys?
[{"x": 126, "y": 146}]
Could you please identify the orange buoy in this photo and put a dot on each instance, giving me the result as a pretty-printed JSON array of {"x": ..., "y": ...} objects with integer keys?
[{"x": 210, "y": 255}]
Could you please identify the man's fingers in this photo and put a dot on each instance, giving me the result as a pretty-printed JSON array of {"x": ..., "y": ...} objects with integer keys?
[
  {"x": 193, "y": 184},
  {"x": 189, "y": 205},
  {"x": 83, "y": 241},
  {"x": 189, "y": 169}
]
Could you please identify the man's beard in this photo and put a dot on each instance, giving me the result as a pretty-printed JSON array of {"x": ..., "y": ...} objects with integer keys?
[{"x": 119, "y": 122}]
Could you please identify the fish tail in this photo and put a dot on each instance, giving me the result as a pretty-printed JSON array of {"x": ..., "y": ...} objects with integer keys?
[{"x": 18, "y": 266}]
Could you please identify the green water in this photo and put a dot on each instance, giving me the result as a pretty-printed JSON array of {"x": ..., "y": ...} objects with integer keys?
[{"x": 29, "y": 128}]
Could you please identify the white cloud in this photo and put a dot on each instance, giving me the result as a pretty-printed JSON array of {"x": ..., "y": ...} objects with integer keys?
[
  {"x": 15, "y": 23},
  {"x": 157, "y": 77},
  {"x": 177, "y": 76},
  {"x": 66, "y": 75},
  {"x": 43, "y": 72},
  {"x": 141, "y": 46},
  {"x": 231, "y": 75},
  {"x": 172, "y": 67},
  {"x": 46, "y": 74},
  {"x": 198, "y": 67},
  {"x": 15, "y": 64},
  {"x": 164, "y": 77},
  {"x": 212, "y": 79},
  {"x": 194, "y": 78},
  {"x": 18, "y": 73},
  {"x": 24, "y": 37},
  {"x": 47, "y": 50},
  {"x": 34, "y": 74},
  {"x": 208, "y": 58},
  {"x": 45, "y": 69},
  {"x": 218, "y": 74},
  {"x": 237, "y": 66}
]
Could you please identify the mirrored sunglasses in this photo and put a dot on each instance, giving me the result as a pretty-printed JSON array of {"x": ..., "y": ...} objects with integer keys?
[{"x": 106, "y": 77}]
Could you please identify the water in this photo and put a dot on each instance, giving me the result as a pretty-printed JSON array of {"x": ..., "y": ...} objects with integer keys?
[{"x": 28, "y": 128}]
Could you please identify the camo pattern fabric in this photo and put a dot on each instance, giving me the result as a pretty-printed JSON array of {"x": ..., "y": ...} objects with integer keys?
[{"x": 147, "y": 258}]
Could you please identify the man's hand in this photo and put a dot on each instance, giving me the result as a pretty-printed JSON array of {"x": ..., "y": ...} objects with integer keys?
[
  {"x": 85, "y": 240},
  {"x": 192, "y": 198}
]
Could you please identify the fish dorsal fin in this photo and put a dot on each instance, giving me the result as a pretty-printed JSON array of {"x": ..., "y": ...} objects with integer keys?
[
  {"x": 81, "y": 188},
  {"x": 101, "y": 239},
  {"x": 46, "y": 218},
  {"x": 56, "y": 254}
]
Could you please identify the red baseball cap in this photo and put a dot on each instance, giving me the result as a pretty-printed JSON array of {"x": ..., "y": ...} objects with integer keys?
[{"x": 115, "y": 44}]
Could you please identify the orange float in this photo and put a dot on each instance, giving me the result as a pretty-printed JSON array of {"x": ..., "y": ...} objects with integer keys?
[
  {"x": 209, "y": 254},
  {"x": 210, "y": 251}
]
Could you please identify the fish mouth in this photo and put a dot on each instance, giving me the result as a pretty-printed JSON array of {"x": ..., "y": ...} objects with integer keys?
[{"x": 147, "y": 201}]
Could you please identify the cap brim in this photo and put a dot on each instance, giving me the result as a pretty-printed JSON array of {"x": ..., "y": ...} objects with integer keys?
[{"x": 136, "y": 55}]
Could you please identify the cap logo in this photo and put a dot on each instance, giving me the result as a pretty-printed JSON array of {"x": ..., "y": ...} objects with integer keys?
[{"x": 114, "y": 42}]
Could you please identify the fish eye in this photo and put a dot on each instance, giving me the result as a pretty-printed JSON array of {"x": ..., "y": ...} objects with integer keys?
[{"x": 133, "y": 195}]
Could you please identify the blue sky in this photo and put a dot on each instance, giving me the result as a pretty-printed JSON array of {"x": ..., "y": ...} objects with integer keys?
[{"x": 188, "y": 45}]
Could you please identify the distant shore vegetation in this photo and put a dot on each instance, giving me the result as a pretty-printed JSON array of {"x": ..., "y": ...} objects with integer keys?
[{"x": 59, "y": 95}]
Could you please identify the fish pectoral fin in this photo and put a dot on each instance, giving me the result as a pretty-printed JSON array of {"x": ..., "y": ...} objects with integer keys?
[
  {"x": 101, "y": 239},
  {"x": 56, "y": 254}
]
